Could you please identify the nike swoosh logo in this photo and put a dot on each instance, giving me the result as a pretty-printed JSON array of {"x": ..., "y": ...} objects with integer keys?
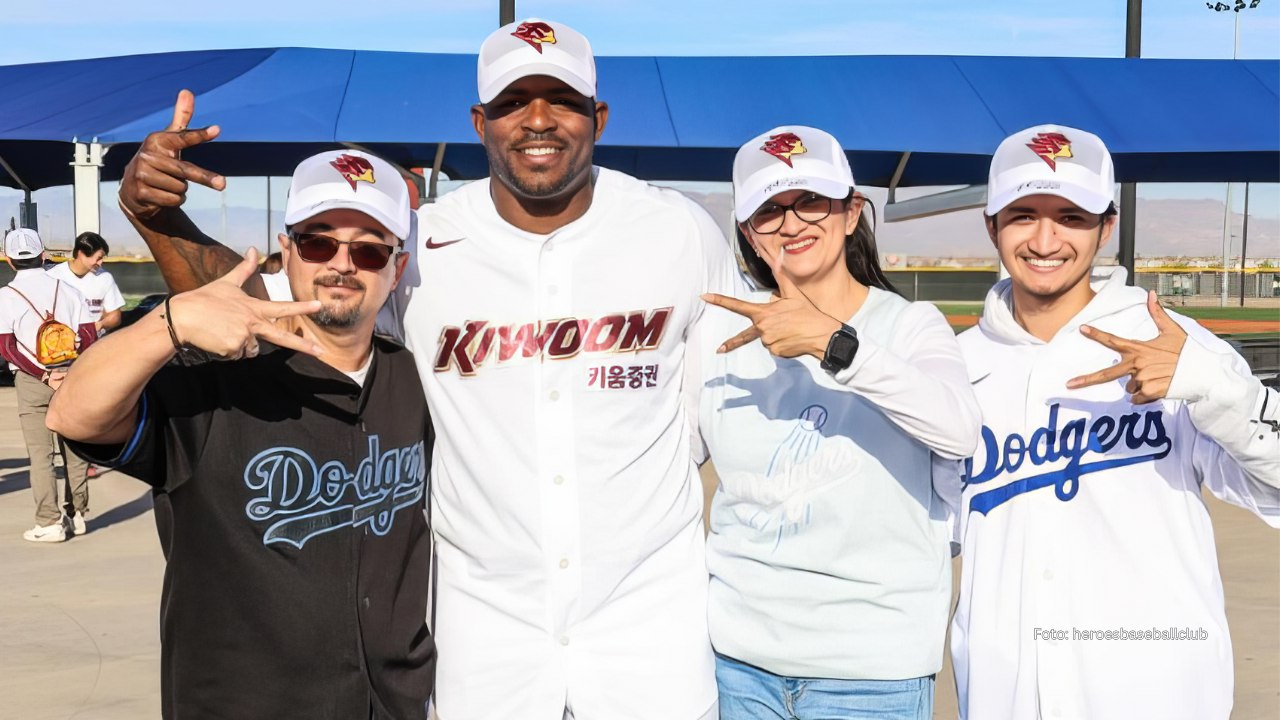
[{"x": 438, "y": 245}]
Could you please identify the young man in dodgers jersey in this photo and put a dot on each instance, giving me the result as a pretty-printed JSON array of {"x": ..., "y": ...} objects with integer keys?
[
  {"x": 549, "y": 308},
  {"x": 1090, "y": 584}
]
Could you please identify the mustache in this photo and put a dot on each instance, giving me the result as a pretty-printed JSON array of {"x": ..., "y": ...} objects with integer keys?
[
  {"x": 531, "y": 137},
  {"x": 345, "y": 281}
]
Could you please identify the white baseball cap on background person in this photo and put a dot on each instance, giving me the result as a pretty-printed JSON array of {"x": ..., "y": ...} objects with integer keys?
[
  {"x": 22, "y": 244},
  {"x": 790, "y": 157},
  {"x": 349, "y": 180},
  {"x": 1052, "y": 160},
  {"x": 535, "y": 47}
]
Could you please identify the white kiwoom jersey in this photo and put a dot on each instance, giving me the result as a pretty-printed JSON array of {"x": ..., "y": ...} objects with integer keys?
[
  {"x": 567, "y": 508},
  {"x": 1090, "y": 585}
]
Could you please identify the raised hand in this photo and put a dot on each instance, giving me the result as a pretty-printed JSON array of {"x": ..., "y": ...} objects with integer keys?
[
  {"x": 1148, "y": 363},
  {"x": 222, "y": 320},
  {"x": 789, "y": 324},
  {"x": 157, "y": 177}
]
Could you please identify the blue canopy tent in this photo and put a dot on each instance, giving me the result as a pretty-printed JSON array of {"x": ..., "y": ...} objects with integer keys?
[{"x": 910, "y": 120}]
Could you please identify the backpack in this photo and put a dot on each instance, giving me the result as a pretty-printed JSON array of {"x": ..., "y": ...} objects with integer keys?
[{"x": 55, "y": 342}]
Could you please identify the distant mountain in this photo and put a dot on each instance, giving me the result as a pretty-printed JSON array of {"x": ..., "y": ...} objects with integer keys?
[{"x": 1165, "y": 228}]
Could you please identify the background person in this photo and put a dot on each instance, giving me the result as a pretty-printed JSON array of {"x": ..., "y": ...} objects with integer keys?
[
  {"x": 84, "y": 272},
  {"x": 829, "y": 554},
  {"x": 1105, "y": 417},
  {"x": 27, "y": 303},
  {"x": 290, "y": 489}
]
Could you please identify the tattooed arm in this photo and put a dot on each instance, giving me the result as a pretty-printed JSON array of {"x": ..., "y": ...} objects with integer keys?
[{"x": 152, "y": 191}]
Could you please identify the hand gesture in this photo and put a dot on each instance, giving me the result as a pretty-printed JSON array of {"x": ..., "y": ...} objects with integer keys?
[
  {"x": 1149, "y": 364},
  {"x": 157, "y": 177},
  {"x": 789, "y": 324},
  {"x": 222, "y": 320}
]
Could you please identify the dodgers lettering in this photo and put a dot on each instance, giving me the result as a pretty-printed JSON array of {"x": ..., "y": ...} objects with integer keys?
[
  {"x": 1048, "y": 445},
  {"x": 467, "y": 348},
  {"x": 311, "y": 501}
]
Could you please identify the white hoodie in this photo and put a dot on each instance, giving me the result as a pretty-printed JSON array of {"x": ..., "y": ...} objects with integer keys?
[{"x": 1090, "y": 585}]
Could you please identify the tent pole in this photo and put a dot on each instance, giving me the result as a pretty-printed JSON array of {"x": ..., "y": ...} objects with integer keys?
[
  {"x": 897, "y": 176},
  {"x": 26, "y": 209},
  {"x": 435, "y": 173},
  {"x": 1129, "y": 191},
  {"x": 87, "y": 164},
  {"x": 1244, "y": 242},
  {"x": 506, "y": 12}
]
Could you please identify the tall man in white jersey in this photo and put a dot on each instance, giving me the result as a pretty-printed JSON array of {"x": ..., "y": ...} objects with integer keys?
[
  {"x": 1090, "y": 585},
  {"x": 549, "y": 308}
]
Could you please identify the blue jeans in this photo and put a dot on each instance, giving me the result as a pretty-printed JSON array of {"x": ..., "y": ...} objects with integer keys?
[{"x": 749, "y": 693}]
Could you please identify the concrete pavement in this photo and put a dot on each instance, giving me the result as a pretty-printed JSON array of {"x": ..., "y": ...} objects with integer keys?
[{"x": 79, "y": 635}]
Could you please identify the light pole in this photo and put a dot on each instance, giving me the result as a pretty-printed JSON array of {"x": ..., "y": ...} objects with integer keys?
[{"x": 1238, "y": 6}]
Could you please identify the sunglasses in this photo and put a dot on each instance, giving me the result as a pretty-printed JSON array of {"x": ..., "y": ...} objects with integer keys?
[
  {"x": 365, "y": 254},
  {"x": 810, "y": 207}
]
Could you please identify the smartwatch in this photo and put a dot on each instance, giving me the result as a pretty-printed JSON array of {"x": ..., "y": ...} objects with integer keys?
[{"x": 840, "y": 350}]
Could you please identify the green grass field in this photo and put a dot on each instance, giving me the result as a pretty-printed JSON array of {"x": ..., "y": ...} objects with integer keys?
[{"x": 1197, "y": 313}]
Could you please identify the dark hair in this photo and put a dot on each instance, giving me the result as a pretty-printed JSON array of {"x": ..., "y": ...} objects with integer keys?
[
  {"x": 88, "y": 243},
  {"x": 860, "y": 255},
  {"x": 28, "y": 263}
]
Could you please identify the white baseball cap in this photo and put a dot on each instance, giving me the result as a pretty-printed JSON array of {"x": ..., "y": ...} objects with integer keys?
[
  {"x": 22, "y": 244},
  {"x": 791, "y": 157},
  {"x": 535, "y": 47},
  {"x": 349, "y": 180},
  {"x": 1052, "y": 160}
]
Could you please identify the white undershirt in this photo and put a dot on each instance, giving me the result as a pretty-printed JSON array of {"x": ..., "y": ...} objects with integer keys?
[{"x": 359, "y": 375}]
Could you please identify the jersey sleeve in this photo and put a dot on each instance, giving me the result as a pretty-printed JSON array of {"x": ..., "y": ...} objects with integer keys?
[
  {"x": 720, "y": 275},
  {"x": 172, "y": 427},
  {"x": 1237, "y": 450},
  {"x": 922, "y": 384}
]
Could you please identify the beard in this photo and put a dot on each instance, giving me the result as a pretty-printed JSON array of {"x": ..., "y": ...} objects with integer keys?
[
  {"x": 338, "y": 314},
  {"x": 537, "y": 184}
]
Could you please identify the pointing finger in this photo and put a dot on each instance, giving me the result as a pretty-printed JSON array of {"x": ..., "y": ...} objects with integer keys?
[
  {"x": 1163, "y": 322},
  {"x": 183, "y": 108},
  {"x": 741, "y": 307},
  {"x": 746, "y": 336},
  {"x": 242, "y": 272},
  {"x": 280, "y": 338},
  {"x": 786, "y": 287},
  {"x": 1105, "y": 338},
  {"x": 283, "y": 309},
  {"x": 1118, "y": 370}
]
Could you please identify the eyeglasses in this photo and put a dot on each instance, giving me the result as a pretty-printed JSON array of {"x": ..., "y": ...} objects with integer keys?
[
  {"x": 365, "y": 254},
  {"x": 810, "y": 207}
]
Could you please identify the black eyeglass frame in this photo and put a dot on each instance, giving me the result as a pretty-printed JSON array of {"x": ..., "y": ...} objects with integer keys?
[{"x": 782, "y": 217}]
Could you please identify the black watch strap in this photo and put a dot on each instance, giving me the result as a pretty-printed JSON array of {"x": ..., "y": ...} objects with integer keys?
[{"x": 841, "y": 349}]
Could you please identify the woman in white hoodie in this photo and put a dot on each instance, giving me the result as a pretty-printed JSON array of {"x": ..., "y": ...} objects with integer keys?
[
  {"x": 829, "y": 550},
  {"x": 1090, "y": 584}
]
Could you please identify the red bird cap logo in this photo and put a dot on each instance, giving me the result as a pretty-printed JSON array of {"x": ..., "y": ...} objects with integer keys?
[
  {"x": 353, "y": 169},
  {"x": 783, "y": 146},
  {"x": 535, "y": 33},
  {"x": 1050, "y": 147}
]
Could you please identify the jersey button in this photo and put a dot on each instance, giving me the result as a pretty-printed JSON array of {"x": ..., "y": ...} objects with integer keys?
[
  {"x": 365, "y": 602},
  {"x": 552, "y": 289},
  {"x": 564, "y": 639},
  {"x": 554, "y": 395},
  {"x": 1048, "y": 574},
  {"x": 564, "y": 564},
  {"x": 559, "y": 479}
]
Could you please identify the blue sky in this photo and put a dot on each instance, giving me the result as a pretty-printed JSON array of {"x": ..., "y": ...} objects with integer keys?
[
  {"x": 66, "y": 29},
  {"x": 50, "y": 30}
]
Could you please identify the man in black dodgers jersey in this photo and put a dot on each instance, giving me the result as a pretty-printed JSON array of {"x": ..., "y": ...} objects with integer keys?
[{"x": 289, "y": 483}]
